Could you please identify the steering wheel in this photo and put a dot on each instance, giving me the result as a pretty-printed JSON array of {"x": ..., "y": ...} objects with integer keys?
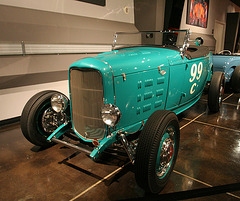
[{"x": 227, "y": 52}]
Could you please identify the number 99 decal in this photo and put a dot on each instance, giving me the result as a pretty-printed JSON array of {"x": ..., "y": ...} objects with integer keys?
[{"x": 196, "y": 72}]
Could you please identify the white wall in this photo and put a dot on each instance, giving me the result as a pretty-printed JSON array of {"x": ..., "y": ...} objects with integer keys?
[
  {"x": 13, "y": 100},
  {"x": 114, "y": 10},
  {"x": 117, "y": 13}
]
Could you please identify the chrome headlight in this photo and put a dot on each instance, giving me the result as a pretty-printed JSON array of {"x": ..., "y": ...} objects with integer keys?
[
  {"x": 110, "y": 114},
  {"x": 59, "y": 102}
]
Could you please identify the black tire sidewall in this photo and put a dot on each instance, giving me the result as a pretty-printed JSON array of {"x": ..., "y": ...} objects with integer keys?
[
  {"x": 35, "y": 130},
  {"x": 162, "y": 182},
  {"x": 147, "y": 155},
  {"x": 32, "y": 117},
  {"x": 235, "y": 80},
  {"x": 25, "y": 113},
  {"x": 217, "y": 81}
]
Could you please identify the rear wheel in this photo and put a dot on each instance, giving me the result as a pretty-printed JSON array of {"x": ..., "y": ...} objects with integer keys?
[
  {"x": 235, "y": 80},
  {"x": 39, "y": 120},
  {"x": 157, "y": 151},
  {"x": 216, "y": 91}
]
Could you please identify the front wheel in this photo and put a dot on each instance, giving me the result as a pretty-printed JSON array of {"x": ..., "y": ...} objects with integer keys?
[
  {"x": 157, "y": 151},
  {"x": 216, "y": 91},
  {"x": 39, "y": 120},
  {"x": 235, "y": 80}
]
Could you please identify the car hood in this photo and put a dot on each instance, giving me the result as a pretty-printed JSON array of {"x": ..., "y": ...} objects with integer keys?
[{"x": 135, "y": 59}]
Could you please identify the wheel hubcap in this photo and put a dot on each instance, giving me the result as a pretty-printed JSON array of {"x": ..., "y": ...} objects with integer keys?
[
  {"x": 166, "y": 150},
  {"x": 220, "y": 95},
  {"x": 52, "y": 120}
]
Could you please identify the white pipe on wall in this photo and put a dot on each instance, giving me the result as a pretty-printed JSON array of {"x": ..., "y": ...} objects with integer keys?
[{"x": 28, "y": 49}]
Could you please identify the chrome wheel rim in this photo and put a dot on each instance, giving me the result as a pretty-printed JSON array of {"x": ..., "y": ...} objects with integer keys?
[
  {"x": 220, "y": 95},
  {"x": 165, "y": 153},
  {"x": 51, "y": 120}
]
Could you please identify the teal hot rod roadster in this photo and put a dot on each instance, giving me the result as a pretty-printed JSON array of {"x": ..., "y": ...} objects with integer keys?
[{"x": 128, "y": 98}]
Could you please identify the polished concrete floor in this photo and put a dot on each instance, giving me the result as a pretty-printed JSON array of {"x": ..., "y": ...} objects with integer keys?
[{"x": 207, "y": 168}]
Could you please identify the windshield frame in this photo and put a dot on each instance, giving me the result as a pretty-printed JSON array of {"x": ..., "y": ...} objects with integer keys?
[{"x": 181, "y": 48}]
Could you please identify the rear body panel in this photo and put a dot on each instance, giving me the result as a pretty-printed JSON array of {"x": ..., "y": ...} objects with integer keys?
[{"x": 226, "y": 64}]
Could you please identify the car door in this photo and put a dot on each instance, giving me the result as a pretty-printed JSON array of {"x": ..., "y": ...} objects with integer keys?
[
  {"x": 176, "y": 81},
  {"x": 196, "y": 72}
]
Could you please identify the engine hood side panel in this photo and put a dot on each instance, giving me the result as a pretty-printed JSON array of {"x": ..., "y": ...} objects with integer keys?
[{"x": 140, "y": 94}]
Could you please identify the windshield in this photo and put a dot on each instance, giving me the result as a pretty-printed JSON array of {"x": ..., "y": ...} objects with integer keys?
[{"x": 178, "y": 39}]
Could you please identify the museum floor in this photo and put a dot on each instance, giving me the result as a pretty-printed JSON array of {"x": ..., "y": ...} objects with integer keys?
[{"x": 207, "y": 168}]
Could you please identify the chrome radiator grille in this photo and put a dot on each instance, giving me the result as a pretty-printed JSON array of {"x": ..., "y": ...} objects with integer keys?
[{"x": 86, "y": 101}]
